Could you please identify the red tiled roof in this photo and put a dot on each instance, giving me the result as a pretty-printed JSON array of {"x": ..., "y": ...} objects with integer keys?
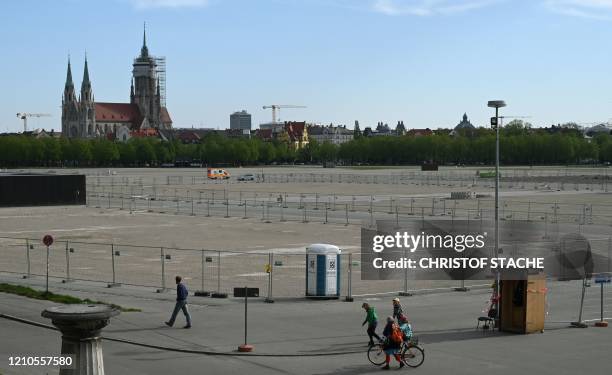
[
  {"x": 419, "y": 132},
  {"x": 118, "y": 112},
  {"x": 149, "y": 132},
  {"x": 165, "y": 116},
  {"x": 265, "y": 134},
  {"x": 295, "y": 130}
]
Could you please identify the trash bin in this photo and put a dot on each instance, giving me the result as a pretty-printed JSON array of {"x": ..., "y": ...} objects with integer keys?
[{"x": 323, "y": 271}]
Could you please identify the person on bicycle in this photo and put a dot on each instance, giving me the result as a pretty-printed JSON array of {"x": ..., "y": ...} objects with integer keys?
[
  {"x": 405, "y": 326},
  {"x": 372, "y": 320},
  {"x": 393, "y": 343},
  {"x": 397, "y": 308}
]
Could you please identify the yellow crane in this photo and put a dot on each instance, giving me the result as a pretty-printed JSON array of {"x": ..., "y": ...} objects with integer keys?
[
  {"x": 24, "y": 116},
  {"x": 276, "y": 107}
]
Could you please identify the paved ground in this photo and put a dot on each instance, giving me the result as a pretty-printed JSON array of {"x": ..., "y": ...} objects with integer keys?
[{"x": 444, "y": 322}]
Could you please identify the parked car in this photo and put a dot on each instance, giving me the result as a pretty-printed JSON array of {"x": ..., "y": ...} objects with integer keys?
[{"x": 247, "y": 177}]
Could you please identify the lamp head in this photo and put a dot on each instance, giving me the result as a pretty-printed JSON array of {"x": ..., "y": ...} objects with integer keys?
[{"x": 496, "y": 103}]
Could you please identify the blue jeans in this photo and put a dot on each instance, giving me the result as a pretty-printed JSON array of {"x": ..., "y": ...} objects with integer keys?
[{"x": 180, "y": 305}]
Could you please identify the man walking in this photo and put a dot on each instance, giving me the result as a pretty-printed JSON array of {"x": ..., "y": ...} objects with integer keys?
[
  {"x": 181, "y": 303},
  {"x": 372, "y": 321}
]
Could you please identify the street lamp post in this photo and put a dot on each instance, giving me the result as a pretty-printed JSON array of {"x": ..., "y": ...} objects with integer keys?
[{"x": 497, "y": 104}]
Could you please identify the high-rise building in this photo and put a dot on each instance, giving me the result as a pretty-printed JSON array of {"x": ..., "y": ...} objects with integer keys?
[{"x": 240, "y": 120}]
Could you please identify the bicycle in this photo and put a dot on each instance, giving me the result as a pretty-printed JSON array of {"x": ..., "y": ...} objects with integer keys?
[{"x": 411, "y": 353}]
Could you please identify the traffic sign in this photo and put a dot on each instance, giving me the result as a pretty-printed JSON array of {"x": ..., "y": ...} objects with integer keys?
[
  {"x": 48, "y": 240},
  {"x": 601, "y": 279}
]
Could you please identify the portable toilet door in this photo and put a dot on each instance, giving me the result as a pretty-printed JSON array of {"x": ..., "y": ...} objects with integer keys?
[{"x": 323, "y": 271}]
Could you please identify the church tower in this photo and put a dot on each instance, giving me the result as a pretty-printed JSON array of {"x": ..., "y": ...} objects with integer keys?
[
  {"x": 70, "y": 109},
  {"x": 145, "y": 87},
  {"x": 87, "y": 106}
]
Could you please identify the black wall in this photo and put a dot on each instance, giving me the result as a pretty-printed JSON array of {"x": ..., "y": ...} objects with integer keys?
[{"x": 41, "y": 190}]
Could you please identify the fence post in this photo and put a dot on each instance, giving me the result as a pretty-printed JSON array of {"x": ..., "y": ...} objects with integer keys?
[
  {"x": 422, "y": 217},
  {"x": 47, "y": 277},
  {"x": 271, "y": 269},
  {"x": 67, "y": 265},
  {"x": 349, "y": 291},
  {"x": 580, "y": 323},
  {"x": 203, "y": 266},
  {"x": 396, "y": 217},
  {"x": 27, "y": 258},
  {"x": 218, "y": 293},
  {"x": 202, "y": 292},
  {"x": 405, "y": 291},
  {"x": 325, "y": 209},
  {"x": 114, "y": 282},
  {"x": 163, "y": 271},
  {"x": 305, "y": 215},
  {"x": 218, "y": 272},
  {"x": 346, "y": 215}
]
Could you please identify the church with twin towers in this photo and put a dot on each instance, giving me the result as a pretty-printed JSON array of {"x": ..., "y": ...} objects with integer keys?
[{"x": 86, "y": 118}]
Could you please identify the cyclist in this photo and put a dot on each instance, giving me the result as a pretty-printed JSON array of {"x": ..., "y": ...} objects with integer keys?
[
  {"x": 393, "y": 343},
  {"x": 405, "y": 326},
  {"x": 372, "y": 320}
]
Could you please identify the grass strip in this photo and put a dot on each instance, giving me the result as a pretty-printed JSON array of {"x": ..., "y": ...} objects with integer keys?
[{"x": 28, "y": 292}]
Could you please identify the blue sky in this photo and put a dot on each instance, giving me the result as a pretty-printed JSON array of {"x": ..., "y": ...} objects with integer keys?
[{"x": 425, "y": 62}]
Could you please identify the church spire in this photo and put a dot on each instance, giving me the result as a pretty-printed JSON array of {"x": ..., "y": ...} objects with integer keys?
[
  {"x": 69, "y": 75},
  {"x": 85, "y": 73},
  {"x": 86, "y": 92},
  {"x": 144, "y": 51}
]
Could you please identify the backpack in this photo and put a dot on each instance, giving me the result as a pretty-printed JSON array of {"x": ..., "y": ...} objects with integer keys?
[{"x": 397, "y": 336}]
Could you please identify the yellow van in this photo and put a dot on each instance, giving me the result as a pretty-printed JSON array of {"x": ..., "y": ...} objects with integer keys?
[{"x": 218, "y": 174}]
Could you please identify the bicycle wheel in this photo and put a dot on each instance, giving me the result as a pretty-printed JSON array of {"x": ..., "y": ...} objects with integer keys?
[
  {"x": 413, "y": 356},
  {"x": 376, "y": 354}
]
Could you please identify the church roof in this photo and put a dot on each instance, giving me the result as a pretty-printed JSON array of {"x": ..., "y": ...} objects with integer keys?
[
  {"x": 465, "y": 123},
  {"x": 165, "y": 116},
  {"x": 118, "y": 112}
]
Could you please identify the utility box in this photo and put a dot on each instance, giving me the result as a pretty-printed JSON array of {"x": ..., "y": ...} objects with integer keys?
[
  {"x": 323, "y": 271},
  {"x": 523, "y": 304}
]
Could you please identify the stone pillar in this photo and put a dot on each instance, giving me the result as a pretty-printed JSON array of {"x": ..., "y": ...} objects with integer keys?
[{"x": 81, "y": 326}]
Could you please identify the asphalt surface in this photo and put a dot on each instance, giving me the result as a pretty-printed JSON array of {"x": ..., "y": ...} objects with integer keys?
[{"x": 444, "y": 322}]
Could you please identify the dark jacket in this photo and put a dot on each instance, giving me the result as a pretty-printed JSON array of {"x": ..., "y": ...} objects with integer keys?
[
  {"x": 397, "y": 311},
  {"x": 181, "y": 292},
  {"x": 387, "y": 333}
]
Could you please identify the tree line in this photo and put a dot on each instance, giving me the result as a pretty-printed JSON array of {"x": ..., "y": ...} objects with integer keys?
[{"x": 518, "y": 148}]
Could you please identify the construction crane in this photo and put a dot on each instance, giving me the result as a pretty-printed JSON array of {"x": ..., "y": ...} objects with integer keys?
[
  {"x": 276, "y": 107},
  {"x": 501, "y": 124},
  {"x": 24, "y": 117}
]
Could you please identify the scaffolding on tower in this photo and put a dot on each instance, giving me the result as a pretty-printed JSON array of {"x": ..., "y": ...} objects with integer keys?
[{"x": 160, "y": 70}]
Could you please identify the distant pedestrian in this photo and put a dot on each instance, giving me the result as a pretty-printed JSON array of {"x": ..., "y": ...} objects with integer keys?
[
  {"x": 181, "y": 303},
  {"x": 397, "y": 308},
  {"x": 372, "y": 321}
]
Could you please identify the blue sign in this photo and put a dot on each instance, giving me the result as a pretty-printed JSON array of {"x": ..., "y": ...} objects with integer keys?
[{"x": 600, "y": 279}]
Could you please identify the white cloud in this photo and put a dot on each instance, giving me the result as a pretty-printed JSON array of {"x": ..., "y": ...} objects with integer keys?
[
  {"x": 597, "y": 9},
  {"x": 144, "y": 4},
  {"x": 427, "y": 7}
]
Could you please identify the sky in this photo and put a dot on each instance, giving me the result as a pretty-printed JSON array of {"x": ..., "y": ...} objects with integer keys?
[{"x": 424, "y": 62}]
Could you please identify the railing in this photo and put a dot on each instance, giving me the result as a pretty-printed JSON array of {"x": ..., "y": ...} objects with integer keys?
[
  {"x": 342, "y": 209},
  {"x": 277, "y": 275}
]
